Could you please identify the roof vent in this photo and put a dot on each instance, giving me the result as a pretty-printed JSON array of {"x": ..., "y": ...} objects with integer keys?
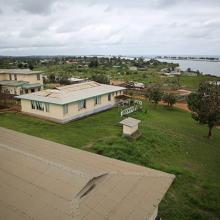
[{"x": 91, "y": 185}]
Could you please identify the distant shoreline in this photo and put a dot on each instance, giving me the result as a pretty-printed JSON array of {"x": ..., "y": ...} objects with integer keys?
[{"x": 190, "y": 59}]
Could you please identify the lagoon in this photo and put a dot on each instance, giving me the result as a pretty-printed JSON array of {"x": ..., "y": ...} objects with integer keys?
[{"x": 206, "y": 67}]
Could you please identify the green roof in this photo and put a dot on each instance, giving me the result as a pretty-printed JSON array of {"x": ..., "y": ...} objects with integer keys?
[
  {"x": 30, "y": 86},
  {"x": 13, "y": 83}
]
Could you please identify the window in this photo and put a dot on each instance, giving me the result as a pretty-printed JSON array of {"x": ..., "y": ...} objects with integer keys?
[
  {"x": 65, "y": 109},
  {"x": 39, "y": 89},
  {"x": 33, "y": 104},
  {"x": 81, "y": 104},
  {"x": 15, "y": 76},
  {"x": 47, "y": 107},
  {"x": 32, "y": 90},
  {"x": 38, "y": 76},
  {"x": 97, "y": 100},
  {"x": 26, "y": 91},
  {"x": 10, "y": 78},
  {"x": 40, "y": 106},
  {"x": 109, "y": 97}
]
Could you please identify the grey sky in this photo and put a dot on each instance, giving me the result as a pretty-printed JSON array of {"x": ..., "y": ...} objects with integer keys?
[{"x": 141, "y": 27}]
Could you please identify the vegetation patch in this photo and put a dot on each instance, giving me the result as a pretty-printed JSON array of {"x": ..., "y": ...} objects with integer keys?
[{"x": 171, "y": 141}]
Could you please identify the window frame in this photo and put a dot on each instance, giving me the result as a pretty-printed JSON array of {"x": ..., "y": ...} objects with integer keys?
[
  {"x": 47, "y": 107},
  {"x": 97, "y": 100},
  {"x": 65, "y": 109},
  {"x": 38, "y": 76},
  {"x": 40, "y": 106},
  {"x": 82, "y": 104}
]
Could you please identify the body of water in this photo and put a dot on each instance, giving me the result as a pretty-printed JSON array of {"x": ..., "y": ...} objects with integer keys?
[{"x": 205, "y": 67}]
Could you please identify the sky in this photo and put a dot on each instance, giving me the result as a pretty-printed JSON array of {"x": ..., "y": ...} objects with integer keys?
[{"x": 109, "y": 27}]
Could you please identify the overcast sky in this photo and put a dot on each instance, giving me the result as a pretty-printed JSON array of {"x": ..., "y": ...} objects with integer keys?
[{"x": 119, "y": 27}]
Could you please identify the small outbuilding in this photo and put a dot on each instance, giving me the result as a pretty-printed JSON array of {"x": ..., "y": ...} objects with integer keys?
[{"x": 130, "y": 126}]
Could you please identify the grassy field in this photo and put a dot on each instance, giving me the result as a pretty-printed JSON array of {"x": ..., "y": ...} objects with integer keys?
[{"x": 171, "y": 141}]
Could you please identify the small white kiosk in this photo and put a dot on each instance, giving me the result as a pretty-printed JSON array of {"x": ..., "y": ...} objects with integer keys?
[{"x": 130, "y": 126}]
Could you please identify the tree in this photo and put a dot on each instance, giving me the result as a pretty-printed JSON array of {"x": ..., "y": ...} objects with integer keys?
[
  {"x": 170, "y": 99},
  {"x": 100, "y": 78},
  {"x": 52, "y": 78},
  {"x": 31, "y": 67},
  {"x": 154, "y": 95},
  {"x": 93, "y": 63},
  {"x": 178, "y": 79},
  {"x": 205, "y": 105},
  {"x": 20, "y": 65},
  {"x": 64, "y": 80}
]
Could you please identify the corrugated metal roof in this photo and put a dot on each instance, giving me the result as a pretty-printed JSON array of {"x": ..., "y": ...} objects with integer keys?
[
  {"x": 71, "y": 93},
  {"x": 13, "y": 83},
  {"x": 31, "y": 85},
  {"x": 19, "y": 71},
  {"x": 40, "y": 179}
]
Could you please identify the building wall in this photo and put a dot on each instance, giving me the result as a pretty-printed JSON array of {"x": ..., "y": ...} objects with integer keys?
[
  {"x": 32, "y": 78},
  {"x": 35, "y": 90},
  {"x": 4, "y": 77},
  {"x": 29, "y": 78},
  {"x": 55, "y": 111},
  {"x": 16, "y": 90},
  {"x": 129, "y": 130},
  {"x": 11, "y": 89},
  {"x": 73, "y": 109}
]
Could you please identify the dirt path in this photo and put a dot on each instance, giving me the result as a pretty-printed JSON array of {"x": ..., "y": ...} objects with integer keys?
[{"x": 180, "y": 105}]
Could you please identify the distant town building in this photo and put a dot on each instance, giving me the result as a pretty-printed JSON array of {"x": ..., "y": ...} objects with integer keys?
[
  {"x": 67, "y": 103},
  {"x": 171, "y": 72},
  {"x": 133, "y": 68},
  {"x": 20, "y": 81},
  {"x": 215, "y": 82},
  {"x": 76, "y": 80}
]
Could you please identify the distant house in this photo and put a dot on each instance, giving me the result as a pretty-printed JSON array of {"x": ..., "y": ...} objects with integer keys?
[
  {"x": 135, "y": 85},
  {"x": 215, "y": 82},
  {"x": 74, "y": 80},
  {"x": 67, "y": 103},
  {"x": 169, "y": 72},
  {"x": 20, "y": 81},
  {"x": 133, "y": 68},
  {"x": 71, "y": 62}
]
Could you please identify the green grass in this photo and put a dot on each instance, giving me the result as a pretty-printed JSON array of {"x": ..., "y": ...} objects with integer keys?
[
  {"x": 171, "y": 141},
  {"x": 192, "y": 82}
]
